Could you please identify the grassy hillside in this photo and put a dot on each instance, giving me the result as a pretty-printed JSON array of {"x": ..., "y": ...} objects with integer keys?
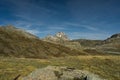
[
  {"x": 110, "y": 45},
  {"x": 88, "y": 43},
  {"x": 17, "y": 43},
  {"x": 105, "y": 66}
]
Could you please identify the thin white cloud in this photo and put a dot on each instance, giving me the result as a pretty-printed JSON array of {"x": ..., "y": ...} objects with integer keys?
[
  {"x": 46, "y": 31},
  {"x": 35, "y": 32},
  {"x": 83, "y": 26},
  {"x": 56, "y": 27},
  {"x": 89, "y": 27},
  {"x": 22, "y": 24},
  {"x": 26, "y": 24},
  {"x": 31, "y": 11}
]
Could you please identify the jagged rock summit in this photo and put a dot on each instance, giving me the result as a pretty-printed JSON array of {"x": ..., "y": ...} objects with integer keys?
[
  {"x": 62, "y": 39},
  {"x": 60, "y": 36}
]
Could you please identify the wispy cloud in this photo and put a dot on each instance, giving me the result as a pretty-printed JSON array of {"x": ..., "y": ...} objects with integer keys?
[
  {"x": 31, "y": 11},
  {"x": 53, "y": 28},
  {"x": 57, "y": 27},
  {"x": 27, "y": 26},
  {"x": 22, "y": 24},
  {"x": 89, "y": 27},
  {"x": 35, "y": 32}
]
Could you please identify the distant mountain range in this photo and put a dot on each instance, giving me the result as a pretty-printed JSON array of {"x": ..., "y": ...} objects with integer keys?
[
  {"x": 16, "y": 42},
  {"x": 110, "y": 45}
]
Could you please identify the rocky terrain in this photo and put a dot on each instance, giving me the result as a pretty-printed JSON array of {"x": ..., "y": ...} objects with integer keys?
[
  {"x": 58, "y": 37},
  {"x": 62, "y": 39},
  {"x": 61, "y": 73}
]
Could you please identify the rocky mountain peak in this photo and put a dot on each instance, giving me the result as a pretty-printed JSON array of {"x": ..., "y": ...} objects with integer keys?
[
  {"x": 62, "y": 35},
  {"x": 57, "y": 37}
]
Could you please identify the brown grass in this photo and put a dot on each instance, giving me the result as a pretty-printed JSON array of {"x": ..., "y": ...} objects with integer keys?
[{"x": 105, "y": 66}]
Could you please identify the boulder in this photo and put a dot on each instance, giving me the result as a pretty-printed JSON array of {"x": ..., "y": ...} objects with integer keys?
[{"x": 61, "y": 73}]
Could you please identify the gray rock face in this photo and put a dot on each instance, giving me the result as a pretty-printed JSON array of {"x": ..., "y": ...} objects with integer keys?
[
  {"x": 62, "y": 39},
  {"x": 60, "y": 36},
  {"x": 61, "y": 73}
]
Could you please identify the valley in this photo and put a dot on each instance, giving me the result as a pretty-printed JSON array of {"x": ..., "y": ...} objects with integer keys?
[{"x": 21, "y": 53}]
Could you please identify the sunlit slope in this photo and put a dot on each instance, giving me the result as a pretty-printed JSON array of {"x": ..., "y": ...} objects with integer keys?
[{"x": 18, "y": 43}]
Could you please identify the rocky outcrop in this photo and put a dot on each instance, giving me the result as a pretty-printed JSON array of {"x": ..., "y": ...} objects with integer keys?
[
  {"x": 61, "y": 73},
  {"x": 62, "y": 39},
  {"x": 60, "y": 36}
]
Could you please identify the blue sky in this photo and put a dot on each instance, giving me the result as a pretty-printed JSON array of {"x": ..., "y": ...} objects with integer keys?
[{"x": 85, "y": 19}]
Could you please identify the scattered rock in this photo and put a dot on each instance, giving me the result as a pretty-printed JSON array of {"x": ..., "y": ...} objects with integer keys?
[{"x": 61, "y": 73}]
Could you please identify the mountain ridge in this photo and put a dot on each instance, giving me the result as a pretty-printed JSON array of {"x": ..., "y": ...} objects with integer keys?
[
  {"x": 13, "y": 43},
  {"x": 109, "y": 45}
]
